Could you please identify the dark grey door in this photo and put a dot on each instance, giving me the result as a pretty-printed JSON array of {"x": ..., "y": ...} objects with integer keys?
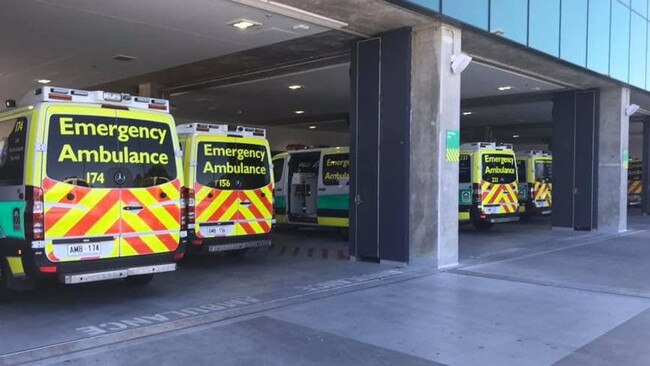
[
  {"x": 585, "y": 158},
  {"x": 365, "y": 147}
]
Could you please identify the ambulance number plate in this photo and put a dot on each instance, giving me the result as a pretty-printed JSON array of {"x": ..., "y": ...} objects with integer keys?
[
  {"x": 84, "y": 250},
  {"x": 211, "y": 231}
]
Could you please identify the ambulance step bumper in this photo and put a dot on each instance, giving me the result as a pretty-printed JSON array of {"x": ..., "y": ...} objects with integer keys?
[
  {"x": 237, "y": 246},
  {"x": 70, "y": 279}
]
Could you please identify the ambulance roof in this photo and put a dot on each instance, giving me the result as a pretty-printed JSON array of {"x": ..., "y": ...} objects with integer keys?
[
  {"x": 66, "y": 95},
  {"x": 476, "y": 146},
  {"x": 220, "y": 129},
  {"x": 534, "y": 154}
]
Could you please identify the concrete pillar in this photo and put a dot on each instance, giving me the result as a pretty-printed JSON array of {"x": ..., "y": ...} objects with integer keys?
[
  {"x": 613, "y": 138},
  {"x": 150, "y": 90},
  {"x": 645, "y": 200},
  {"x": 435, "y": 110}
]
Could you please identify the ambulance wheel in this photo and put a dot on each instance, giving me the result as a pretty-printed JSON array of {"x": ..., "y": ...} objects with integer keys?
[
  {"x": 482, "y": 225},
  {"x": 237, "y": 253},
  {"x": 142, "y": 280}
]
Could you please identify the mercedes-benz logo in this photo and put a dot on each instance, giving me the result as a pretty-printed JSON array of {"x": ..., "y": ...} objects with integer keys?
[{"x": 119, "y": 178}]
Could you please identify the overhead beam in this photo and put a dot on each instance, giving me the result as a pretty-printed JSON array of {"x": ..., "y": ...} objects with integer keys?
[{"x": 509, "y": 99}]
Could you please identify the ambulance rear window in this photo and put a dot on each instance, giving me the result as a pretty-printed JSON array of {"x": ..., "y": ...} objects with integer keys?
[
  {"x": 278, "y": 168},
  {"x": 635, "y": 171},
  {"x": 336, "y": 169},
  {"x": 521, "y": 171},
  {"x": 105, "y": 152},
  {"x": 13, "y": 134},
  {"x": 544, "y": 171},
  {"x": 232, "y": 166},
  {"x": 499, "y": 168}
]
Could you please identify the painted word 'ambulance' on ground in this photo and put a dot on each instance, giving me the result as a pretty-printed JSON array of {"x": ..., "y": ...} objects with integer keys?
[
  {"x": 535, "y": 171},
  {"x": 488, "y": 184},
  {"x": 313, "y": 187},
  {"x": 90, "y": 188},
  {"x": 230, "y": 191}
]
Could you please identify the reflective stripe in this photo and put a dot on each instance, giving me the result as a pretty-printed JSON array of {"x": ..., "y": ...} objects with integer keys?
[{"x": 16, "y": 266}]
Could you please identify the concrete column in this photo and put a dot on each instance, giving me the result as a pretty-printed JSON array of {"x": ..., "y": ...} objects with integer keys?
[
  {"x": 435, "y": 109},
  {"x": 645, "y": 157},
  {"x": 150, "y": 90},
  {"x": 613, "y": 138}
]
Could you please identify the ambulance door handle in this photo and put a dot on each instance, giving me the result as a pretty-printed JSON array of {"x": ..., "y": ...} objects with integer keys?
[
  {"x": 133, "y": 208},
  {"x": 245, "y": 203}
]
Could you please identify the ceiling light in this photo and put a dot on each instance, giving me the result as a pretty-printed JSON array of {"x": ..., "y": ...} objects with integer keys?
[
  {"x": 459, "y": 62},
  {"x": 631, "y": 109},
  {"x": 312, "y": 127},
  {"x": 515, "y": 136},
  {"x": 299, "y": 112},
  {"x": 507, "y": 87},
  {"x": 295, "y": 87},
  {"x": 301, "y": 27},
  {"x": 245, "y": 24},
  {"x": 43, "y": 81},
  {"x": 467, "y": 113}
]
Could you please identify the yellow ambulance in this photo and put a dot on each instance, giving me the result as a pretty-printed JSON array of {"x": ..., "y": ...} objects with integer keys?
[
  {"x": 90, "y": 188},
  {"x": 487, "y": 184},
  {"x": 634, "y": 182},
  {"x": 228, "y": 174},
  {"x": 535, "y": 171}
]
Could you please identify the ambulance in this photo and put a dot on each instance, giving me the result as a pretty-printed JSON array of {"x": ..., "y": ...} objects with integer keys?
[
  {"x": 634, "y": 182},
  {"x": 312, "y": 187},
  {"x": 535, "y": 171},
  {"x": 90, "y": 188},
  {"x": 228, "y": 174},
  {"x": 487, "y": 184}
]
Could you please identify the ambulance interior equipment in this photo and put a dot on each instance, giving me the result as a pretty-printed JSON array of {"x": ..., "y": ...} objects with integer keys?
[
  {"x": 535, "y": 173},
  {"x": 229, "y": 174},
  {"x": 89, "y": 188},
  {"x": 487, "y": 184}
]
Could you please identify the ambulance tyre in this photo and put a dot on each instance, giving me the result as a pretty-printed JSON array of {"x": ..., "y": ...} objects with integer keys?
[
  {"x": 239, "y": 253},
  {"x": 139, "y": 281},
  {"x": 482, "y": 225}
]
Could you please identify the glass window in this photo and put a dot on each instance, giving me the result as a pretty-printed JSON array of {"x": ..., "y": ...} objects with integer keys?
[
  {"x": 620, "y": 42},
  {"x": 336, "y": 169},
  {"x": 499, "y": 168},
  {"x": 429, "y": 4},
  {"x": 278, "y": 168},
  {"x": 544, "y": 34},
  {"x": 13, "y": 136},
  {"x": 521, "y": 171},
  {"x": 635, "y": 171},
  {"x": 474, "y": 12},
  {"x": 640, "y": 6},
  {"x": 511, "y": 18},
  {"x": 638, "y": 51},
  {"x": 598, "y": 37},
  {"x": 94, "y": 151},
  {"x": 544, "y": 171},
  {"x": 574, "y": 32},
  {"x": 465, "y": 169},
  {"x": 232, "y": 166}
]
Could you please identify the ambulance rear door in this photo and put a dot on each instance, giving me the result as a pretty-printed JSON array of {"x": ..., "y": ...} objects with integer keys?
[{"x": 333, "y": 203}]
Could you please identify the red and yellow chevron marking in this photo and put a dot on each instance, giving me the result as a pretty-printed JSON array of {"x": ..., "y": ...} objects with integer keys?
[
  {"x": 250, "y": 210},
  {"x": 504, "y": 195},
  {"x": 635, "y": 187},
  {"x": 74, "y": 211},
  {"x": 154, "y": 229},
  {"x": 543, "y": 191}
]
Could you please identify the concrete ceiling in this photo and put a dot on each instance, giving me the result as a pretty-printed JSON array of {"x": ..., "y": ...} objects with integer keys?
[
  {"x": 325, "y": 93},
  {"x": 72, "y": 42}
]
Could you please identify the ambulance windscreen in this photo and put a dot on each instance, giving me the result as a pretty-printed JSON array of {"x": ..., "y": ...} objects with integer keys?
[
  {"x": 544, "y": 171},
  {"x": 105, "y": 152},
  {"x": 499, "y": 168},
  {"x": 635, "y": 171},
  {"x": 232, "y": 166}
]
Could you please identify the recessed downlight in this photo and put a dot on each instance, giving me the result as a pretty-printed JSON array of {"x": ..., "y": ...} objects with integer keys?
[
  {"x": 245, "y": 24},
  {"x": 296, "y": 87},
  {"x": 299, "y": 112},
  {"x": 506, "y": 87},
  {"x": 312, "y": 127},
  {"x": 467, "y": 113},
  {"x": 515, "y": 136},
  {"x": 43, "y": 81}
]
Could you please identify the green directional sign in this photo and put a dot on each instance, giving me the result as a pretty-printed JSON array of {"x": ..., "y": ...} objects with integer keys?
[
  {"x": 452, "y": 149},
  {"x": 466, "y": 196}
]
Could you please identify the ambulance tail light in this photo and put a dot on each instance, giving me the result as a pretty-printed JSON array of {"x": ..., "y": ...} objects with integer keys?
[
  {"x": 34, "y": 213},
  {"x": 187, "y": 208}
]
